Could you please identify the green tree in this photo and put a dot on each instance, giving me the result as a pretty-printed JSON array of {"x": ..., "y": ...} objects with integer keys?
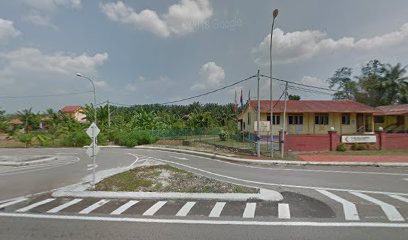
[
  {"x": 28, "y": 118},
  {"x": 294, "y": 97},
  {"x": 344, "y": 84},
  {"x": 396, "y": 84}
]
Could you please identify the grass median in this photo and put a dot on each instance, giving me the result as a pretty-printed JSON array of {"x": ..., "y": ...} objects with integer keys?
[{"x": 166, "y": 178}]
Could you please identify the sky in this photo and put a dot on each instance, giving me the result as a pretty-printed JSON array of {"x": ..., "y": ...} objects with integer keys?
[{"x": 151, "y": 51}]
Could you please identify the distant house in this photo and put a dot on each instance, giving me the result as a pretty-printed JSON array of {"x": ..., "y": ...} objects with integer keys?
[
  {"x": 74, "y": 112},
  {"x": 309, "y": 117},
  {"x": 15, "y": 122},
  {"x": 392, "y": 118}
]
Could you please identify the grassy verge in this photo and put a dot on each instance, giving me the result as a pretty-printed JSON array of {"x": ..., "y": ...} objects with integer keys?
[{"x": 165, "y": 178}]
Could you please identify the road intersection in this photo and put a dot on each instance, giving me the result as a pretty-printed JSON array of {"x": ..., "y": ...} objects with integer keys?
[{"x": 318, "y": 197}]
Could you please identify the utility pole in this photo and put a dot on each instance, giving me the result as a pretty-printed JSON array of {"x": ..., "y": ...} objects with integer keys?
[
  {"x": 284, "y": 123},
  {"x": 109, "y": 115},
  {"x": 258, "y": 117}
]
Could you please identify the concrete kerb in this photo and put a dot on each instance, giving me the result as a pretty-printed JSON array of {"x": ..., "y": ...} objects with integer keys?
[
  {"x": 275, "y": 162},
  {"x": 264, "y": 194},
  {"x": 25, "y": 163}
]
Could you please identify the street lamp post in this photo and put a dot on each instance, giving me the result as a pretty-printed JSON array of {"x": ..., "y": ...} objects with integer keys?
[
  {"x": 94, "y": 137},
  {"x": 274, "y": 14},
  {"x": 94, "y": 94}
]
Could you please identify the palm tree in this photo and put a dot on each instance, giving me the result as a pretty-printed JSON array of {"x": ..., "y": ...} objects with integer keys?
[
  {"x": 396, "y": 84},
  {"x": 27, "y": 117}
]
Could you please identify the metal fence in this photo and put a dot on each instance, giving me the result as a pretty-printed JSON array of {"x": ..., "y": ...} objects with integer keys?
[{"x": 243, "y": 142}]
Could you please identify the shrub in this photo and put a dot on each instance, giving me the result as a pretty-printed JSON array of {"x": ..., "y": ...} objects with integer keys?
[
  {"x": 44, "y": 139},
  {"x": 359, "y": 146},
  {"x": 223, "y": 135},
  {"x": 133, "y": 138},
  {"x": 26, "y": 138},
  {"x": 78, "y": 138},
  {"x": 341, "y": 147}
]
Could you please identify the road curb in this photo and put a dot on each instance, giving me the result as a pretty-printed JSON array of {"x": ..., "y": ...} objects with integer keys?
[
  {"x": 276, "y": 162},
  {"x": 17, "y": 164},
  {"x": 264, "y": 194}
]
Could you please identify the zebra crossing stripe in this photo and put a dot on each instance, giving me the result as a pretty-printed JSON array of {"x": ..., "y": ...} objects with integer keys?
[
  {"x": 65, "y": 205},
  {"x": 124, "y": 207},
  {"x": 217, "y": 209},
  {"x": 349, "y": 208},
  {"x": 34, "y": 205},
  {"x": 403, "y": 199},
  {"x": 185, "y": 209},
  {"x": 390, "y": 211},
  {"x": 94, "y": 206},
  {"x": 249, "y": 211},
  {"x": 12, "y": 202},
  {"x": 283, "y": 211},
  {"x": 153, "y": 209}
]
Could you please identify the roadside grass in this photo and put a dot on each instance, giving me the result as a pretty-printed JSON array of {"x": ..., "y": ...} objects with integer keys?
[{"x": 166, "y": 178}]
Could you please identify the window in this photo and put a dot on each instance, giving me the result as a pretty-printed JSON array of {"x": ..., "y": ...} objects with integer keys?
[
  {"x": 345, "y": 119},
  {"x": 379, "y": 119},
  {"x": 249, "y": 118},
  {"x": 322, "y": 119},
  {"x": 296, "y": 119},
  {"x": 276, "y": 119}
]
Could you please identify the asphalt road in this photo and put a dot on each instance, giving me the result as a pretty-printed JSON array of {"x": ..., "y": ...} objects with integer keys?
[{"x": 313, "y": 215}]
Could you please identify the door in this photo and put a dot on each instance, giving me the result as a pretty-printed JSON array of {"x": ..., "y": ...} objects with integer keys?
[{"x": 360, "y": 122}]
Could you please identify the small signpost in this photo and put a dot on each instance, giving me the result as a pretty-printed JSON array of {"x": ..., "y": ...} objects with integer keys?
[{"x": 93, "y": 150}]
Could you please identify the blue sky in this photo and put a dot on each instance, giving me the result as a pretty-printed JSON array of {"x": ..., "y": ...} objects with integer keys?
[{"x": 156, "y": 51}]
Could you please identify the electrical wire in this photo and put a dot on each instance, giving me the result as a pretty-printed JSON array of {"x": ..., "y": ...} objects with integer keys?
[{"x": 300, "y": 84}]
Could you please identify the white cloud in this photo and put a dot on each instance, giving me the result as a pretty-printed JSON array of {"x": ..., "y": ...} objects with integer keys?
[
  {"x": 33, "y": 60},
  {"x": 211, "y": 75},
  {"x": 28, "y": 65},
  {"x": 301, "y": 45},
  {"x": 314, "y": 81},
  {"x": 42, "y": 11},
  {"x": 7, "y": 30},
  {"x": 37, "y": 18},
  {"x": 182, "y": 18},
  {"x": 52, "y": 5}
]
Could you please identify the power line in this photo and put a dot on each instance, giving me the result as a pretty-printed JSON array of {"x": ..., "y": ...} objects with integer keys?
[
  {"x": 300, "y": 84},
  {"x": 47, "y": 95},
  {"x": 207, "y": 93}
]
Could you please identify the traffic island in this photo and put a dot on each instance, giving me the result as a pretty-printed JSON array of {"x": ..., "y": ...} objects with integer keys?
[{"x": 167, "y": 182}]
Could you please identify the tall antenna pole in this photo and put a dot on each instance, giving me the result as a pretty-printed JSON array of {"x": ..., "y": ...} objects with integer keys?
[{"x": 258, "y": 117}]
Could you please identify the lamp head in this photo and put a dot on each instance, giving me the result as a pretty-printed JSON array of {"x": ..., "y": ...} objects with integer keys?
[
  {"x": 275, "y": 13},
  {"x": 79, "y": 74}
]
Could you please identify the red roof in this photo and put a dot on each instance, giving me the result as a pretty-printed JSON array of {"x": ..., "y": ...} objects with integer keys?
[
  {"x": 393, "y": 109},
  {"x": 314, "y": 106},
  {"x": 70, "y": 109}
]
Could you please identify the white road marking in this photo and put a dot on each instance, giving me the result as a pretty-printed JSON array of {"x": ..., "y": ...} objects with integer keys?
[
  {"x": 124, "y": 207},
  {"x": 65, "y": 205},
  {"x": 349, "y": 208},
  {"x": 185, "y": 209},
  {"x": 405, "y": 179},
  {"x": 37, "y": 167},
  {"x": 293, "y": 169},
  {"x": 134, "y": 163},
  {"x": 94, "y": 206},
  {"x": 278, "y": 184},
  {"x": 34, "y": 205},
  {"x": 390, "y": 211},
  {"x": 217, "y": 209},
  {"x": 153, "y": 209},
  {"x": 207, "y": 222},
  {"x": 249, "y": 211},
  {"x": 283, "y": 211},
  {"x": 3, "y": 205},
  {"x": 399, "y": 198}
]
